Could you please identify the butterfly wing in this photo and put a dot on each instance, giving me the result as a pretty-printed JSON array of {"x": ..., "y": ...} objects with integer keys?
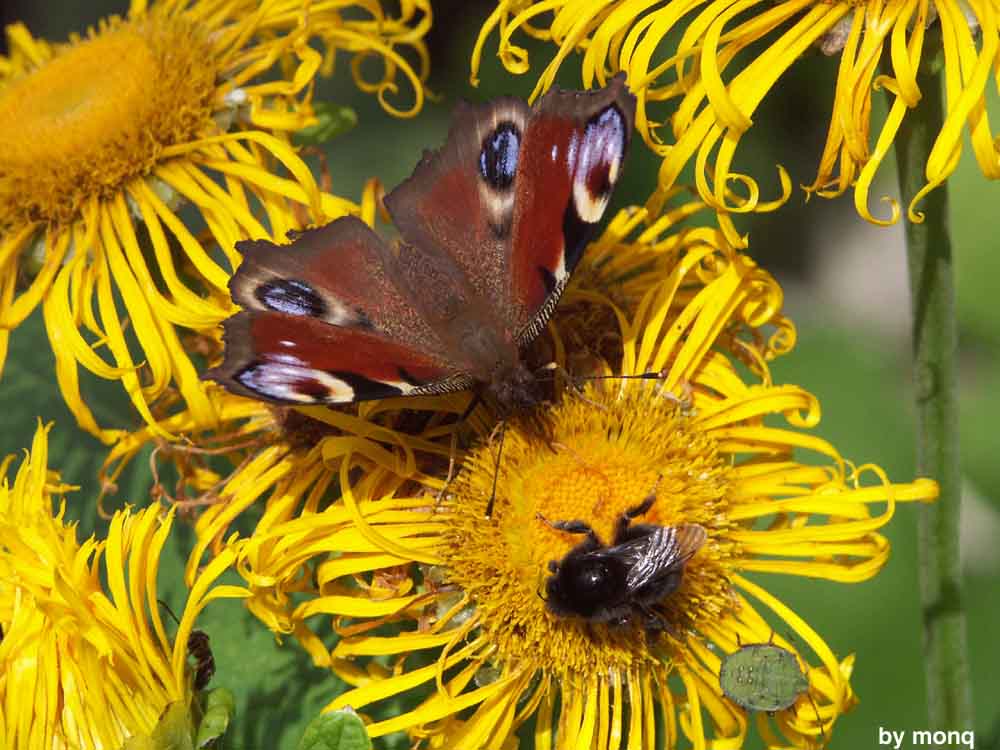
[
  {"x": 514, "y": 194},
  {"x": 493, "y": 224},
  {"x": 298, "y": 359},
  {"x": 325, "y": 322},
  {"x": 572, "y": 158}
]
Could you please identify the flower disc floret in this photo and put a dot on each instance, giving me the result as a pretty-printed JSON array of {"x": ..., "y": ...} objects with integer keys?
[
  {"x": 597, "y": 457},
  {"x": 82, "y": 124}
]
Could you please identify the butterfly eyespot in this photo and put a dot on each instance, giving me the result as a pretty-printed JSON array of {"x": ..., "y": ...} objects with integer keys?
[
  {"x": 498, "y": 156},
  {"x": 283, "y": 379},
  {"x": 291, "y": 297}
]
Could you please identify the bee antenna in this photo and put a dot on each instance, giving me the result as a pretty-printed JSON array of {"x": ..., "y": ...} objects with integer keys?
[{"x": 169, "y": 611}]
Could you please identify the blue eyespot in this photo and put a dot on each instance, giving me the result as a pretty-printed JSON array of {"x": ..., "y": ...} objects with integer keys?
[
  {"x": 291, "y": 297},
  {"x": 498, "y": 156}
]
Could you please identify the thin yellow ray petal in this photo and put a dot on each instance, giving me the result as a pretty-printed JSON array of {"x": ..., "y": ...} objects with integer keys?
[
  {"x": 401, "y": 683},
  {"x": 355, "y": 607},
  {"x": 266, "y": 469},
  {"x": 378, "y": 646},
  {"x": 955, "y": 30},
  {"x": 840, "y": 571},
  {"x": 571, "y": 716},
  {"x": 543, "y": 723},
  {"x": 490, "y": 725}
]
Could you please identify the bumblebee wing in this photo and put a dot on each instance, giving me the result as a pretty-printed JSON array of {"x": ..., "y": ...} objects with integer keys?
[{"x": 658, "y": 554}]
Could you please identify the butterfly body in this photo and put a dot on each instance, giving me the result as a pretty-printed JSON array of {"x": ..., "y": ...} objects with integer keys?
[{"x": 491, "y": 227}]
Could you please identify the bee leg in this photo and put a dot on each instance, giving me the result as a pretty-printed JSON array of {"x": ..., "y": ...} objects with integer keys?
[
  {"x": 642, "y": 507},
  {"x": 575, "y": 527},
  {"x": 625, "y": 519},
  {"x": 655, "y": 621}
]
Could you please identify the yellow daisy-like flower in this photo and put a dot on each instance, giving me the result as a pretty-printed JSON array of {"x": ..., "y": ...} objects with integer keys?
[
  {"x": 82, "y": 666},
  {"x": 438, "y": 605},
  {"x": 696, "y": 55},
  {"x": 104, "y": 139}
]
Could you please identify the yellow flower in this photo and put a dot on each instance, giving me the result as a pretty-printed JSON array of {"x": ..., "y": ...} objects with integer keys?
[
  {"x": 438, "y": 605},
  {"x": 685, "y": 51},
  {"x": 82, "y": 666},
  {"x": 106, "y": 138}
]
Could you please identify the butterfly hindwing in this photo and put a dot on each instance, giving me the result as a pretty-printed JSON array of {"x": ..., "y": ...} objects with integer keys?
[{"x": 295, "y": 359}]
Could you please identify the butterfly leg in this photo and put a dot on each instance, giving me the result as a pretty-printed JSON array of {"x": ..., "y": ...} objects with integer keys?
[
  {"x": 451, "y": 467},
  {"x": 496, "y": 471},
  {"x": 684, "y": 401},
  {"x": 455, "y": 437}
]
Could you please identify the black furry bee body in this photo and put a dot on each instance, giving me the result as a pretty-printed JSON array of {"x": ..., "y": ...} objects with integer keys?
[{"x": 621, "y": 583}]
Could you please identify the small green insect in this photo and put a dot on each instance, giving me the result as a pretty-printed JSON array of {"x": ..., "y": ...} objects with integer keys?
[{"x": 764, "y": 677}]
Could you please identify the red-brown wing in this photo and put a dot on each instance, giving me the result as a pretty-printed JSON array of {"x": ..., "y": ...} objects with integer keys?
[
  {"x": 328, "y": 320},
  {"x": 512, "y": 196},
  {"x": 340, "y": 274},
  {"x": 459, "y": 201},
  {"x": 294, "y": 359},
  {"x": 570, "y": 161}
]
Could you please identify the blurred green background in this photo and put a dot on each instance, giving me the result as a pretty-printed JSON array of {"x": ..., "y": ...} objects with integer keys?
[{"x": 846, "y": 288}]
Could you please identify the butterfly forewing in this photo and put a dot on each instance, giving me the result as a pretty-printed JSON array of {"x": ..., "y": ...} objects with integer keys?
[
  {"x": 515, "y": 193},
  {"x": 460, "y": 199},
  {"x": 573, "y": 149}
]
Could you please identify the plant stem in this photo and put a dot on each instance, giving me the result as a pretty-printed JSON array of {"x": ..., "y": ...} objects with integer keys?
[{"x": 935, "y": 354}]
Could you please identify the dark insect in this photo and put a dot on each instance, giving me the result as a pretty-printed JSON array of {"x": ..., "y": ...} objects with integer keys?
[
  {"x": 199, "y": 649},
  {"x": 763, "y": 677},
  {"x": 204, "y": 662},
  {"x": 492, "y": 225},
  {"x": 622, "y": 583}
]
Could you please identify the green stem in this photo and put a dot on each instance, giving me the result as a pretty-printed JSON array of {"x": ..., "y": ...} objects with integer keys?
[{"x": 935, "y": 354}]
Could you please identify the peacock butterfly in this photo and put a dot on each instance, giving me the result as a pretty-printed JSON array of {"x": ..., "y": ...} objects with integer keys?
[{"x": 491, "y": 226}]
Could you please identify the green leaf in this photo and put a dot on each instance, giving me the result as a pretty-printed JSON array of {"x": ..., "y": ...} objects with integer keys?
[
  {"x": 173, "y": 732},
  {"x": 220, "y": 706},
  {"x": 338, "y": 730},
  {"x": 333, "y": 119}
]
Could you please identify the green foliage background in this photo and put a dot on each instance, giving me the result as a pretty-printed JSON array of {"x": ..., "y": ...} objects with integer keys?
[{"x": 859, "y": 372}]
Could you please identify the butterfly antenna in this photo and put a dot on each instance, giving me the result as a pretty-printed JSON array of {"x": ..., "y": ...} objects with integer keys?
[
  {"x": 473, "y": 403},
  {"x": 496, "y": 470},
  {"x": 658, "y": 375}
]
